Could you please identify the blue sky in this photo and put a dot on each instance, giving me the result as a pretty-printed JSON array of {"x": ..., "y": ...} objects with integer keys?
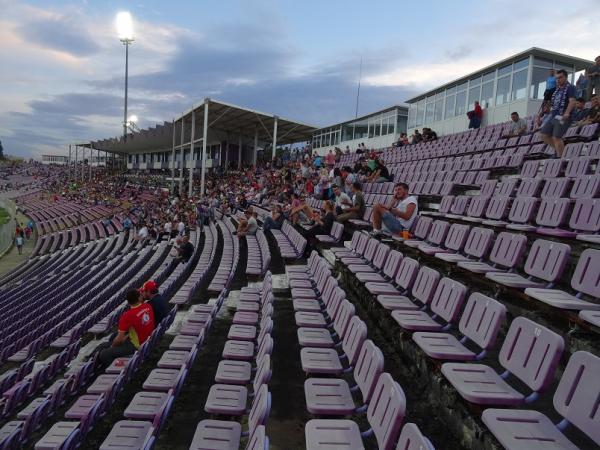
[{"x": 62, "y": 64}]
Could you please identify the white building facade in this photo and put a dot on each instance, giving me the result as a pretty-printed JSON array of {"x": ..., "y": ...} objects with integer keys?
[
  {"x": 516, "y": 84},
  {"x": 376, "y": 130}
]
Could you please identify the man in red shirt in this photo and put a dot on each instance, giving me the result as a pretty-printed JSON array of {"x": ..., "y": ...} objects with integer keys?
[{"x": 135, "y": 327}]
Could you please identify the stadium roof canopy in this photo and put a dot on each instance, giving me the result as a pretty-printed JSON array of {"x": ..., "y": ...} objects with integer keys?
[{"x": 222, "y": 117}]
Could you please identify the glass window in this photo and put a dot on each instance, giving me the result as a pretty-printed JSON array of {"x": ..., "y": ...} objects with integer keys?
[
  {"x": 538, "y": 83},
  {"x": 439, "y": 110},
  {"x": 420, "y": 113},
  {"x": 378, "y": 128},
  {"x": 371, "y": 130},
  {"x": 473, "y": 96},
  {"x": 451, "y": 90},
  {"x": 361, "y": 129},
  {"x": 412, "y": 115},
  {"x": 503, "y": 90},
  {"x": 450, "y": 99},
  {"x": 439, "y": 95},
  {"x": 488, "y": 76},
  {"x": 543, "y": 62},
  {"x": 522, "y": 64},
  {"x": 475, "y": 80},
  {"x": 505, "y": 70},
  {"x": 487, "y": 95},
  {"x": 347, "y": 132},
  {"x": 461, "y": 99},
  {"x": 401, "y": 124},
  {"x": 463, "y": 86},
  {"x": 429, "y": 113},
  {"x": 392, "y": 123},
  {"x": 519, "y": 85}
]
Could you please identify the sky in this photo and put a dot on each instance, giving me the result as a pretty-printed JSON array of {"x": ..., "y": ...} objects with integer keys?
[{"x": 62, "y": 64}]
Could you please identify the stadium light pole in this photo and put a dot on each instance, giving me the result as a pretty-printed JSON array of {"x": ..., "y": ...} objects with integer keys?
[{"x": 125, "y": 31}]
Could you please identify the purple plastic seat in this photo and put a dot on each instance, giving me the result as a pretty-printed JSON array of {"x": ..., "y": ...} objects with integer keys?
[
  {"x": 233, "y": 372},
  {"x": 587, "y": 186},
  {"x": 407, "y": 271},
  {"x": 529, "y": 187},
  {"x": 530, "y": 352},
  {"x": 421, "y": 231},
  {"x": 61, "y": 435},
  {"x": 455, "y": 241},
  {"x": 242, "y": 333},
  {"x": 497, "y": 211},
  {"x": 163, "y": 380},
  {"x": 590, "y": 316},
  {"x": 405, "y": 279},
  {"x": 174, "y": 359},
  {"x": 103, "y": 383},
  {"x": 184, "y": 342},
  {"x": 480, "y": 323},
  {"x": 575, "y": 399},
  {"x": 390, "y": 269},
  {"x": 258, "y": 440},
  {"x": 585, "y": 281},
  {"x": 327, "y": 360},
  {"x": 445, "y": 305},
  {"x": 322, "y": 337},
  {"x": 146, "y": 405},
  {"x": 223, "y": 435},
  {"x": 505, "y": 254},
  {"x": 521, "y": 214},
  {"x": 476, "y": 246},
  {"x": 226, "y": 399},
  {"x": 552, "y": 214},
  {"x": 477, "y": 208},
  {"x": 544, "y": 265},
  {"x": 385, "y": 415},
  {"x": 333, "y": 396},
  {"x": 411, "y": 438},
  {"x": 238, "y": 350},
  {"x": 129, "y": 434}
]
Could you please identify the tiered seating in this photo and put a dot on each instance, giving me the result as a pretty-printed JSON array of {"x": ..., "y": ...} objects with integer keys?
[
  {"x": 259, "y": 255},
  {"x": 291, "y": 243},
  {"x": 229, "y": 258},
  {"x": 327, "y": 321}
]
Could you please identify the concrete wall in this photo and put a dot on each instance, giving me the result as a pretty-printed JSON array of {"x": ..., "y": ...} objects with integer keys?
[{"x": 7, "y": 231}]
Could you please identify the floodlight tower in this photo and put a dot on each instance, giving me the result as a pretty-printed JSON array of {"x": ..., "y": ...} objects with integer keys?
[{"x": 125, "y": 31}]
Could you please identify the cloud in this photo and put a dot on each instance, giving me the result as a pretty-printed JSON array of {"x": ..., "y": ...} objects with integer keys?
[
  {"x": 459, "y": 53},
  {"x": 60, "y": 33}
]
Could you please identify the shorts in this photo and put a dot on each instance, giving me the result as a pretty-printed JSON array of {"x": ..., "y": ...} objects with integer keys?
[
  {"x": 555, "y": 128},
  {"x": 391, "y": 223}
]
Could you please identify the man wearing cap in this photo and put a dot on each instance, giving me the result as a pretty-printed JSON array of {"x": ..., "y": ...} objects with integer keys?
[
  {"x": 135, "y": 327},
  {"x": 152, "y": 297}
]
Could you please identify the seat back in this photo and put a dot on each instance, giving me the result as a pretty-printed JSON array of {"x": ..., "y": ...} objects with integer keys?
[
  {"x": 261, "y": 406},
  {"x": 586, "y": 186},
  {"x": 448, "y": 298},
  {"x": 481, "y": 320},
  {"x": 370, "y": 250},
  {"x": 506, "y": 187},
  {"x": 555, "y": 187},
  {"x": 488, "y": 188},
  {"x": 456, "y": 237},
  {"x": 386, "y": 411},
  {"x": 437, "y": 232},
  {"x": 460, "y": 204},
  {"x": 586, "y": 215},
  {"x": 508, "y": 249},
  {"x": 425, "y": 284},
  {"x": 381, "y": 255},
  {"x": 577, "y": 394},
  {"x": 353, "y": 339},
  {"x": 530, "y": 169},
  {"x": 522, "y": 209},
  {"x": 411, "y": 438},
  {"x": 531, "y": 352},
  {"x": 577, "y": 167},
  {"x": 422, "y": 228},
  {"x": 553, "y": 168},
  {"x": 345, "y": 312},
  {"x": 263, "y": 372},
  {"x": 478, "y": 206},
  {"x": 392, "y": 264},
  {"x": 529, "y": 187},
  {"x": 547, "y": 259},
  {"x": 553, "y": 212},
  {"x": 369, "y": 366},
  {"x": 586, "y": 278},
  {"x": 446, "y": 204},
  {"x": 497, "y": 208},
  {"x": 258, "y": 439},
  {"x": 406, "y": 273}
]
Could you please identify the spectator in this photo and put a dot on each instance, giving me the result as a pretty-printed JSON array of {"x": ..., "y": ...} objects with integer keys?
[
  {"x": 342, "y": 200},
  {"x": 580, "y": 113},
  {"x": 168, "y": 228},
  {"x": 19, "y": 243},
  {"x": 151, "y": 296},
  {"x": 581, "y": 85},
  {"x": 357, "y": 210},
  {"x": 135, "y": 327},
  {"x": 127, "y": 223},
  {"x": 380, "y": 174},
  {"x": 475, "y": 116},
  {"x": 275, "y": 220},
  {"x": 594, "y": 112},
  {"x": 429, "y": 135},
  {"x": 550, "y": 85},
  {"x": 396, "y": 218},
  {"x": 330, "y": 159},
  {"x": 517, "y": 127},
  {"x": 323, "y": 223},
  {"x": 186, "y": 249},
  {"x": 543, "y": 116},
  {"x": 181, "y": 228},
  {"x": 248, "y": 226},
  {"x": 593, "y": 75},
  {"x": 563, "y": 103},
  {"x": 416, "y": 137},
  {"x": 143, "y": 233}
]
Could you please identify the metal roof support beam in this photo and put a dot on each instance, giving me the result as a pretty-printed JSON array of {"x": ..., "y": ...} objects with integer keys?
[
  {"x": 289, "y": 132},
  {"x": 82, "y": 163},
  {"x": 91, "y": 158},
  {"x": 69, "y": 164},
  {"x": 182, "y": 167},
  {"x": 255, "y": 151},
  {"x": 190, "y": 188},
  {"x": 263, "y": 125},
  {"x": 239, "y": 151},
  {"x": 226, "y": 153},
  {"x": 217, "y": 119},
  {"x": 204, "y": 140},
  {"x": 274, "y": 138}
]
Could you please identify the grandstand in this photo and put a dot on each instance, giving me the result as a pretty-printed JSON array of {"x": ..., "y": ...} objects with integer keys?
[{"x": 477, "y": 328}]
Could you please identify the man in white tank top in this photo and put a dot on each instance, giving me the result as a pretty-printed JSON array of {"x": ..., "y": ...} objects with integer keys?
[{"x": 399, "y": 217}]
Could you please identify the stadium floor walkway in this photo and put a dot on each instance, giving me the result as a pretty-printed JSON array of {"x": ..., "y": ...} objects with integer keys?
[{"x": 12, "y": 258}]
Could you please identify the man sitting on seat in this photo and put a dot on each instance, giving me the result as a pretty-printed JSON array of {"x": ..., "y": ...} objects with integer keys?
[
  {"x": 152, "y": 297},
  {"x": 399, "y": 217},
  {"x": 517, "y": 127},
  {"x": 135, "y": 327},
  {"x": 248, "y": 226},
  {"x": 185, "y": 249}
]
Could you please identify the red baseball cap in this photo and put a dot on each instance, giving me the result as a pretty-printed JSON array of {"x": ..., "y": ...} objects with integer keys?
[{"x": 149, "y": 286}]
